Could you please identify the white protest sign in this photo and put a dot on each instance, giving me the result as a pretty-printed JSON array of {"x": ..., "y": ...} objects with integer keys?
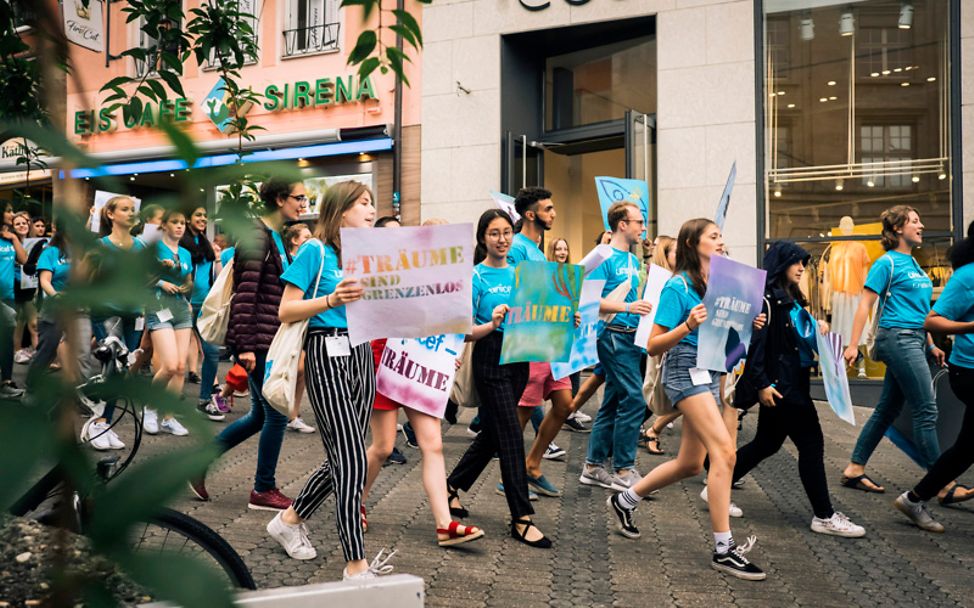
[
  {"x": 585, "y": 351},
  {"x": 102, "y": 197},
  {"x": 655, "y": 281},
  {"x": 721, "y": 216},
  {"x": 593, "y": 259},
  {"x": 416, "y": 279},
  {"x": 419, "y": 372},
  {"x": 29, "y": 281},
  {"x": 505, "y": 202}
]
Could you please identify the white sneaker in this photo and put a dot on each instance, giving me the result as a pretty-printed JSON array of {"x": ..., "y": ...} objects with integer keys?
[
  {"x": 838, "y": 525},
  {"x": 624, "y": 480},
  {"x": 115, "y": 441},
  {"x": 733, "y": 510},
  {"x": 377, "y": 568},
  {"x": 294, "y": 539},
  {"x": 23, "y": 356},
  {"x": 97, "y": 434},
  {"x": 150, "y": 421},
  {"x": 581, "y": 417},
  {"x": 171, "y": 425},
  {"x": 595, "y": 476},
  {"x": 297, "y": 425},
  {"x": 97, "y": 407}
]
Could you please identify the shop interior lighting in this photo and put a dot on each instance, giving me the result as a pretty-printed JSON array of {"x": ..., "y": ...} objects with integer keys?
[
  {"x": 941, "y": 176},
  {"x": 833, "y": 98},
  {"x": 780, "y": 93},
  {"x": 931, "y": 79},
  {"x": 874, "y": 74},
  {"x": 871, "y": 183},
  {"x": 831, "y": 83},
  {"x": 915, "y": 179},
  {"x": 807, "y": 29},
  {"x": 823, "y": 99},
  {"x": 791, "y": 106},
  {"x": 897, "y": 70},
  {"x": 847, "y": 24},
  {"x": 839, "y": 184},
  {"x": 886, "y": 72},
  {"x": 777, "y": 192},
  {"x": 906, "y": 16},
  {"x": 904, "y": 84}
]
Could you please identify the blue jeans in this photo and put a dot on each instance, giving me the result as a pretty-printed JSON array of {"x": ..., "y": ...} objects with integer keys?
[
  {"x": 126, "y": 329},
  {"x": 616, "y": 427},
  {"x": 907, "y": 378},
  {"x": 264, "y": 419},
  {"x": 211, "y": 358}
]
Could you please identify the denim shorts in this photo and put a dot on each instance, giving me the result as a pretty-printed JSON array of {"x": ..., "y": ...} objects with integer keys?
[
  {"x": 676, "y": 375},
  {"x": 179, "y": 309}
]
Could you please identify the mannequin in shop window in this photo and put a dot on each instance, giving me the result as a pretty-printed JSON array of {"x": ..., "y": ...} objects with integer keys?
[{"x": 846, "y": 275}]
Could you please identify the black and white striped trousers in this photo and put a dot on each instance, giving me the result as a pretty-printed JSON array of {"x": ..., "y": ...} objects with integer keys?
[{"x": 341, "y": 390}]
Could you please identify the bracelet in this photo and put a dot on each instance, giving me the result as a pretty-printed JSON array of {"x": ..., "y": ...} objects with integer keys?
[
  {"x": 627, "y": 308},
  {"x": 328, "y": 301},
  {"x": 687, "y": 323}
]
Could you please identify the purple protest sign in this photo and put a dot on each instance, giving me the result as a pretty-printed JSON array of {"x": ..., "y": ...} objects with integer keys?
[{"x": 734, "y": 296}]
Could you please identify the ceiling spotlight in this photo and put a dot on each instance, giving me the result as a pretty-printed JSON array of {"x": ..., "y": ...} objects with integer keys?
[
  {"x": 823, "y": 99},
  {"x": 942, "y": 176},
  {"x": 131, "y": 178},
  {"x": 897, "y": 70},
  {"x": 874, "y": 74},
  {"x": 906, "y": 16},
  {"x": 847, "y": 24},
  {"x": 807, "y": 28},
  {"x": 915, "y": 179},
  {"x": 886, "y": 72},
  {"x": 833, "y": 98},
  {"x": 791, "y": 105},
  {"x": 904, "y": 84},
  {"x": 831, "y": 83},
  {"x": 839, "y": 184},
  {"x": 781, "y": 93},
  {"x": 931, "y": 79},
  {"x": 172, "y": 175},
  {"x": 777, "y": 192},
  {"x": 871, "y": 183}
]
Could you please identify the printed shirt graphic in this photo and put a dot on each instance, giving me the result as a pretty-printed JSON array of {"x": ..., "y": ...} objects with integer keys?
[
  {"x": 523, "y": 248},
  {"x": 911, "y": 290},
  {"x": 675, "y": 303},
  {"x": 57, "y": 264},
  {"x": 621, "y": 266},
  {"x": 491, "y": 288},
  {"x": 957, "y": 304},
  {"x": 303, "y": 273},
  {"x": 183, "y": 260},
  {"x": 8, "y": 257}
]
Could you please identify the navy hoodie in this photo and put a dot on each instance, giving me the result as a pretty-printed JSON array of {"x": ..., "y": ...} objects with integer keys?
[{"x": 773, "y": 356}]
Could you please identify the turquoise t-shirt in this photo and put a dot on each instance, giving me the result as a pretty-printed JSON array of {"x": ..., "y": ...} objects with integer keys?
[
  {"x": 620, "y": 266},
  {"x": 202, "y": 280},
  {"x": 56, "y": 262},
  {"x": 675, "y": 303},
  {"x": 523, "y": 248},
  {"x": 8, "y": 259},
  {"x": 137, "y": 244},
  {"x": 303, "y": 273},
  {"x": 491, "y": 288},
  {"x": 957, "y": 304},
  {"x": 227, "y": 255},
  {"x": 183, "y": 260},
  {"x": 910, "y": 290}
]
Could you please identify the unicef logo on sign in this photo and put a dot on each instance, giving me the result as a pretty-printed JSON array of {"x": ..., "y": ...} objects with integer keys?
[{"x": 537, "y": 5}]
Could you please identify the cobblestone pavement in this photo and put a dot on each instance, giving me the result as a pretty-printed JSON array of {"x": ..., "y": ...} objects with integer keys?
[{"x": 592, "y": 565}]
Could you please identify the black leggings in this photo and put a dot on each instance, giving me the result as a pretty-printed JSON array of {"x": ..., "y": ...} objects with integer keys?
[
  {"x": 799, "y": 421},
  {"x": 960, "y": 456}
]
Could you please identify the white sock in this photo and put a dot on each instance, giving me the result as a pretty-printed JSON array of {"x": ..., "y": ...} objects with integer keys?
[
  {"x": 629, "y": 499},
  {"x": 723, "y": 541}
]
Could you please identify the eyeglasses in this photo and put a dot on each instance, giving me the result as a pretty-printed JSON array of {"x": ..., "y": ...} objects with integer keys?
[
  {"x": 639, "y": 221},
  {"x": 495, "y": 236},
  {"x": 301, "y": 199}
]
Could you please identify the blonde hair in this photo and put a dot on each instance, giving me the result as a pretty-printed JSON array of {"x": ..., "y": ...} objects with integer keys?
[
  {"x": 660, "y": 258},
  {"x": 551, "y": 249},
  {"x": 105, "y": 228},
  {"x": 338, "y": 199},
  {"x": 435, "y": 221}
]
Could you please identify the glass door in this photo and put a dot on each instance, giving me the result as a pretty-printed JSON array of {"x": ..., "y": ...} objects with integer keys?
[{"x": 640, "y": 145}]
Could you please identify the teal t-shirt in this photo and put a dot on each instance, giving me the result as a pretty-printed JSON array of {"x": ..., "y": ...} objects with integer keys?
[
  {"x": 202, "y": 280},
  {"x": 910, "y": 290},
  {"x": 56, "y": 262},
  {"x": 675, "y": 303},
  {"x": 491, "y": 288},
  {"x": 523, "y": 248},
  {"x": 620, "y": 266},
  {"x": 227, "y": 254},
  {"x": 8, "y": 259},
  {"x": 183, "y": 264},
  {"x": 957, "y": 304},
  {"x": 137, "y": 244},
  {"x": 303, "y": 273}
]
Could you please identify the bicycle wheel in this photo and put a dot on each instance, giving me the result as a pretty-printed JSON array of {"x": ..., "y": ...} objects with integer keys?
[{"x": 174, "y": 531}]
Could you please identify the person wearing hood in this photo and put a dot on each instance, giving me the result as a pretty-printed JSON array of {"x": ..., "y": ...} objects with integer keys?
[{"x": 777, "y": 375}]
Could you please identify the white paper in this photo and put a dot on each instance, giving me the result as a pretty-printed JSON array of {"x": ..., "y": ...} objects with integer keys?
[
  {"x": 505, "y": 202},
  {"x": 419, "y": 372},
  {"x": 593, "y": 259},
  {"x": 150, "y": 233},
  {"x": 416, "y": 279},
  {"x": 655, "y": 281},
  {"x": 337, "y": 346},
  {"x": 164, "y": 315},
  {"x": 699, "y": 377},
  {"x": 102, "y": 197}
]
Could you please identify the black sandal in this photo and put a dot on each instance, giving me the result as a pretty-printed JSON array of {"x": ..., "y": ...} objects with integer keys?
[
  {"x": 455, "y": 511},
  {"x": 652, "y": 438},
  {"x": 856, "y": 483},
  {"x": 950, "y": 499},
  {"x": 542, "y": 543}
]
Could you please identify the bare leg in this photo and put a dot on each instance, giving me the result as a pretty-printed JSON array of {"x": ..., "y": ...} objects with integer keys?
[
  {"x": 586, "y": 391},
  {"x": 561, "y": 408},
  {"x": 524, "y": 416},
  {"x": 427, "y": 429},
  {"x": 383, "y": 426}
]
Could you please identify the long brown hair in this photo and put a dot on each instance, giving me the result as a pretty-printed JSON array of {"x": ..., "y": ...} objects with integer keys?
[
  {"x": 106, "y": 224},
  {"x": 337, "y": 199},
  {"x": 894, "y": 219},
  {"x": 687, "y": 258},
  {"x": 660, "y": 257},
  {"x": 551, "y": 250}
]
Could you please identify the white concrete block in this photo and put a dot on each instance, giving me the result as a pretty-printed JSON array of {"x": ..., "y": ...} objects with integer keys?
[
  {"x": 439, "y": 121},
  {"x": 437, "y": 64},
  {"x": 475, "y": 171},
  {"x": 681, "y": 38},
  {"x": 447, "y": 21},
  {"x": 730, "y": 32},
  {"x": 478, "y": 62},
  {"x": 436, "y": 180},
  {"x": 727, "y": 144},
  {"x": 681, "y": 157}
]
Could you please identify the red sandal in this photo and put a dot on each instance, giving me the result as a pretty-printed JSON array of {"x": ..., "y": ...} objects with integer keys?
[
  {"x": 458, "y": 534},
  {"x": 365, "y": 522}
]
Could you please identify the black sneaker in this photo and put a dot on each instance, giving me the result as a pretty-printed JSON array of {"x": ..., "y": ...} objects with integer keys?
[
  {"x": 396, "y": 457},
  {"x": 193, "y": 377},
  {"x": 575, "y": 426},
  {"x": 627, "y": 526},
  {"x": 409, "y": 436},
  {"x": 734, "y": 563}
]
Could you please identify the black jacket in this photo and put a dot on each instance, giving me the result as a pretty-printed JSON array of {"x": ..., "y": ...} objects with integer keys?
[{"x": 773, "y": 356}]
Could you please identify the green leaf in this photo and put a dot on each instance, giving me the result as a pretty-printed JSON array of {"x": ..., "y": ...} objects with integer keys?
[
  {"x": 183, "y": 580},
  {"x": 157, "y": 87},
  {"x": 405, "y": 18},
  {"x": 27, "y": 441},
  {"x": 368, "y": 66},
  {"x": 363, "y": 48},
  {"x": 116, "y": 82},
  {"x": 395, "y": 57},
  {"x": 172, "y": 80},
  {"x": 405, "y": 33}
]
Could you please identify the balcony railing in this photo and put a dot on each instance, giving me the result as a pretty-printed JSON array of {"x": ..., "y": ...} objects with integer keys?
[{"x": 311, "y": 39}]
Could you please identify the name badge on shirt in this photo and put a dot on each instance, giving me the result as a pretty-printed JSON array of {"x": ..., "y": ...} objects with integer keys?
[
  {"x": 337, "y": 346},
  {"x": 140, "y": 324},
  {"x": 699, "y": 377},
  {"x": 164, "y": 315}
]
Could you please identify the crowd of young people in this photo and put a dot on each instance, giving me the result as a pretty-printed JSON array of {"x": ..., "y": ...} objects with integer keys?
[{"x": 287, "y": 272}]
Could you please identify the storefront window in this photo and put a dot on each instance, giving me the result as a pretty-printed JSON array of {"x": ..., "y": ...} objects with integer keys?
[
  {"x": 600, "y": 83},
  {"x": 856, "y": 121}
]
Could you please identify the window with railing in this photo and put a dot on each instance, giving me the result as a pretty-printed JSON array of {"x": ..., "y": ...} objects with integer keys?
[
  {"x": 250, "y": 14},
  {"x": 312, "y": 26},
  {"x": 150, "y": 65}
]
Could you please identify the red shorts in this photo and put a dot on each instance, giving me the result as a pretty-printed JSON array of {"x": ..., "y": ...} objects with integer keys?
[
  {"x": 541, "y": 384},
  {"x": 381, "y": 401}
]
